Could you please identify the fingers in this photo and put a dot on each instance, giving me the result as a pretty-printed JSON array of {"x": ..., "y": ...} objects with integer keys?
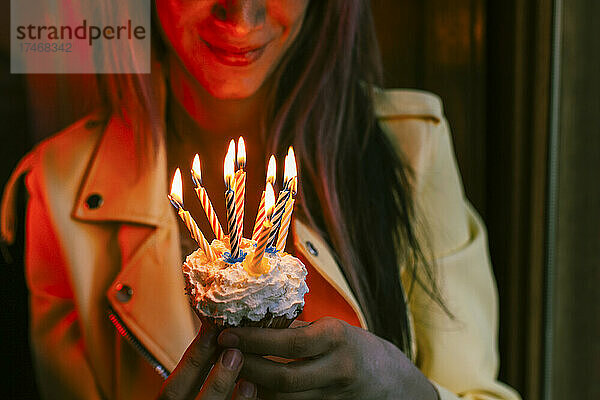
[
  {"x": 245, "y": 390},
  {"x": 195, "y": 364},
  {"x": 307, "y": 341},
  {"x": 221, "y": 379},
  {"x": 297, "y": 376}
]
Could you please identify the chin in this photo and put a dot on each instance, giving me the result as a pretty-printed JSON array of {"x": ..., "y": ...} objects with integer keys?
[
  {"x": 229, "y": 89},
  {"x": 227, "y": 93}
]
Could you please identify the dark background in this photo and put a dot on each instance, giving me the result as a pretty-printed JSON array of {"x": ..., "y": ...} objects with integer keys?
[{"x": 519, "y": 80}]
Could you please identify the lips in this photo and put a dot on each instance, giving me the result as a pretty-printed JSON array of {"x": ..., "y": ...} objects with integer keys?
[{"x": 236, "y": 56}]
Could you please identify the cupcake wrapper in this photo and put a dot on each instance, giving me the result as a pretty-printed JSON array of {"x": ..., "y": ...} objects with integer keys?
[{"x": 269, "y": 321}]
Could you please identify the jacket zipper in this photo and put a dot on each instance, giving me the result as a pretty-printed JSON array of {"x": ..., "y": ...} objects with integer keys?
[{"x": 128, "y": 336}]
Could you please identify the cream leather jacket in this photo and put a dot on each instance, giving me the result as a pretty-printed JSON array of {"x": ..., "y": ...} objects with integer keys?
[{"x": 108, "y": 313}]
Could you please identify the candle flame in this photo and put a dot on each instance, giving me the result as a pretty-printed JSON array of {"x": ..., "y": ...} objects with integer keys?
[
  {"x": 294, "y": 185},
  {"x": 196, "y": 171},
  {"x": 290, "y": 170},
  {"x": 271, "y": 169},
  {"x": 269, "y": 200},
  {"x": 177, "y": 188},
  {"x": 241, "y": 153},
  {"x": 229, "y": 165}
]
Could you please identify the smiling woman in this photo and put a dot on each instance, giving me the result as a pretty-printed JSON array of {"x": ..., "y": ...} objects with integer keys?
[
  {"x": 230, "y": 50},
  {"x": 380, "y": 209}
]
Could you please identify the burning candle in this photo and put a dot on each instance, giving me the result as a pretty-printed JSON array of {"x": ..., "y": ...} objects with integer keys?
[
  {"x": 254, "y": 267},
  {"x": 282, "y": 199},
  {"x": 260, "y": 215},
  {"x": 285, "y": 225},
  {"x": 205, "y": 201},
  {"x": 292, "y": 184},
  {"x": 228, "y": 169},
  {"x": 290, "y": 172},
  {"x": 240, "y": 186},
  {"x": 176, "y": 198}
]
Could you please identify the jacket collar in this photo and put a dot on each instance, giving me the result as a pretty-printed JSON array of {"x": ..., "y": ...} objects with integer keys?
[
  {"x": 117, "y": 186},
  {"x": 320, "y": 256},
  {"x": 126, "y": 181}
]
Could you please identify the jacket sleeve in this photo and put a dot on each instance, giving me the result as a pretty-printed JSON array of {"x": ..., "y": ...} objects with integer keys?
[
  {"x": 457, "y": 352},
  {"x": 62, "y": 370}
]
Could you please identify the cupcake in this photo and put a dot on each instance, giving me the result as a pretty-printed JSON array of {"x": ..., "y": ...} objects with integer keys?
[{"x": 227, "y": 294}]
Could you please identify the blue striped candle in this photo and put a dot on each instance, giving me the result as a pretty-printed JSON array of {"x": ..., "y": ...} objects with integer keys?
[
  {"x": 234, "y": 239},
  {"x": 277, "y": 214}
]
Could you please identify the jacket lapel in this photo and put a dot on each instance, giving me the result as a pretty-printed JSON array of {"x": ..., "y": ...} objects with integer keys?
[
  {"x": 317, "y": 252},
  {"x": 147, "y": 293},
  {"x": 129, "y": 191}
]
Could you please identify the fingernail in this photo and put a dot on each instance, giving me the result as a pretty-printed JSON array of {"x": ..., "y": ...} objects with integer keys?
[
  {"x": 227, "y": 339},
  {"x": 247, "y": 389},
  {"x": 232, "y": 359}
]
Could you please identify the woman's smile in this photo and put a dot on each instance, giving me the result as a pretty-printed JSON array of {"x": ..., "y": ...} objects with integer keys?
[{"x": 236, "y": 56}]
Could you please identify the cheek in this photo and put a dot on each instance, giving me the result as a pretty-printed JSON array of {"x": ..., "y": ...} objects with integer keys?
[
  {"x": 179, "y": 19},
  {"x": 288, "y": 14}
]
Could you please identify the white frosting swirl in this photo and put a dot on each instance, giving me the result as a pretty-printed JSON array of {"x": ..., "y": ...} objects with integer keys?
[{"x": 220, "y": 290}]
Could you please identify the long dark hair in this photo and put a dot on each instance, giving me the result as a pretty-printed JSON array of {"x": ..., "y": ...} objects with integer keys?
[{"x": 354, "y": 188}]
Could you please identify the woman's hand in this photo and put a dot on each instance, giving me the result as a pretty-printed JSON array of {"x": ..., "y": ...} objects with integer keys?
[
  {"x": 193, "y": 377},
  {"x": 332, "y": 360}
]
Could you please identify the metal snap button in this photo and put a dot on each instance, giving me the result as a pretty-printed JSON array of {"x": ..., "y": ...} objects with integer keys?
[
  {"x": 124, "y": 293},
  {"x": 311, "y": 249},
  {"x": 94, "y": 201}
]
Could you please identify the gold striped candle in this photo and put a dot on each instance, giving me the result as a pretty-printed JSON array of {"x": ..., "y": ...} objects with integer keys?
[
  {"x": 210, "y": 213},
  {"x": 263, "y": 237},
  {"x": 202, "y": 194},
  {"x": 285, "y": 225},
  {"x": 290, "y": 173},
  {"x": 176, "y": 198},
  {"x": 260, "y": 215},
  {"x": 240, "y": 193},
  {"x": 282, "y": 199},
  {"x": 196, "y": 233}
]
